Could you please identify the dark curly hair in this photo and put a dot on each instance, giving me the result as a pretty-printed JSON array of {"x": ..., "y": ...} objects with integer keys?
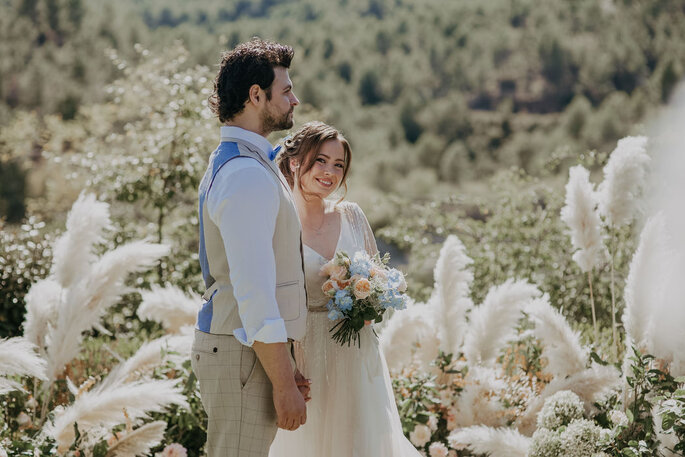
[
  {"x": 304, "y": 146},
  {"x": 249, "y": 63}
]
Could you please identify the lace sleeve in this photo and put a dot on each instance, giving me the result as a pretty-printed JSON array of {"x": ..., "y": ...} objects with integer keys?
[{"x": 360, "y": 227}]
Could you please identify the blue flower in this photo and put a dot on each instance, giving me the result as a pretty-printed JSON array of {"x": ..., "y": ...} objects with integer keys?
[
  {"x": 345, "y": 304},
  {"x": 394, "y": 278},
  {"x": 361, "y": 265},
  {"x": 340, "y": 294},
  {"x": 393, "y": 299},
  {"x": 334, "y": 315},
  {"x": 330, "y": 305}
]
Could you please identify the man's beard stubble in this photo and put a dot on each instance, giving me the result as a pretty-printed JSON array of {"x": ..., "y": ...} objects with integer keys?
[{"x": 271, "y": 123}]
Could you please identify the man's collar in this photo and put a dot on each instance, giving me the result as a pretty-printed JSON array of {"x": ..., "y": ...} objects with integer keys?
[{"x": 231, "y": 132}]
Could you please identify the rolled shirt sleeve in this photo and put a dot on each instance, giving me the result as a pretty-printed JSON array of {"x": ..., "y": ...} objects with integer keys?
[{"x": 243, "y": 202}]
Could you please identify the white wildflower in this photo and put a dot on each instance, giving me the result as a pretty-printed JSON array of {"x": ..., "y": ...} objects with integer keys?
[
  {"x": 560, "y": 409},
  {"x": 618, "y": 418},
  {"x": 580, "y": 439},
  {"x": 545, "y": 443}
]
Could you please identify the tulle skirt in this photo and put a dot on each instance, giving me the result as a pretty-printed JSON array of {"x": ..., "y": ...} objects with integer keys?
[{"x": 352, "y": 412}]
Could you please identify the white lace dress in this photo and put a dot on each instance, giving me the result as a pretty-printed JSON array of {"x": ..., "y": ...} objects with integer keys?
[{"x": 352, "y": 412}]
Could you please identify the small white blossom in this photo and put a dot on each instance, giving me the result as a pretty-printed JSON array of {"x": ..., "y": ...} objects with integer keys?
[
  {"x": 433, "y": 423},
  {"x": 560, "y": 409},
  {"x": 580, "y": 439},
  {"x": 420, "y": 435},
  {"x": 545, "y": 443},
  {"x": 618, "y": 418},
  {"x": 437, "y": 449}
]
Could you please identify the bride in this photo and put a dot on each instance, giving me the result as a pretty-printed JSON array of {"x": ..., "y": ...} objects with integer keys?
[{"x": 352, "y": 412}]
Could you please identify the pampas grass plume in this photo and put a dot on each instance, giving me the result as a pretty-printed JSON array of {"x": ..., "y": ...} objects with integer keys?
[
  {"x": 149, "y": 356},
  {"x": 87, "y": 301},
  {"x": 492, "y": 323},
  {"x": 561, "y": 345},
  {"x": 73, "y": 251},
  {"x": 409, "y": 337},
  {"x": 624, "y": 178},
  {"x": 582, "y": 219},
  {"x": 495, "y": 442},
  {"x": 105, "y": 408},
  {"x": 18, "y": 358},
  {"x": 453, "y": 279},
  {"x": 644, "y": 285},
  {"x": 170, "y": 306},
  {"x": 42, "y": 303},
  {"x": 139, "y": 441}
]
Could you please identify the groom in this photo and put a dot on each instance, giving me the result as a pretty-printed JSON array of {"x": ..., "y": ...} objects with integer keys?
[{"x": 251, "y": 259}]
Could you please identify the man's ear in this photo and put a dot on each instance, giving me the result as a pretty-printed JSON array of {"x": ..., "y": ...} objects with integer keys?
[{"x": 255, "y": 95}]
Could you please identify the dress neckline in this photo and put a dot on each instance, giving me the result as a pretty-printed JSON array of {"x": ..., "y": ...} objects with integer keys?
[{"x": 337, "y": 244}]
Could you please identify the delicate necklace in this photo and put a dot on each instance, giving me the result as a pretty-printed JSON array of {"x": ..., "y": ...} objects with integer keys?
[{"x": 320, "y": 228}]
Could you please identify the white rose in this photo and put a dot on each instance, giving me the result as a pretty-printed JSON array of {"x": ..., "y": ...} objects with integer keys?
[
  {"x": 437, "y": 449},
  {"x": 420, "y": 435},
  {"x": 433, "y": 423}
]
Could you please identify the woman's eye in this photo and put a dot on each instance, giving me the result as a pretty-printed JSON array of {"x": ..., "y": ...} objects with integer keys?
[
  {"x": 339, "y": 165},
  {"x": 320, "y": 160}
]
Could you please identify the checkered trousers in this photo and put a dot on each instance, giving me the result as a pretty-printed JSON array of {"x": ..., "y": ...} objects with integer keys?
[{"x": 237, "y": 395}]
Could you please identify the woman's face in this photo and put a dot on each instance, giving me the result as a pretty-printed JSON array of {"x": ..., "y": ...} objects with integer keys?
[{"x": 328, "y": 170}]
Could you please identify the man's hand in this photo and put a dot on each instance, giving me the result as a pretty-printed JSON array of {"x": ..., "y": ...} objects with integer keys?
[
  {"x": 290, "y": 409},
  {"x": 303, "y": 385}
]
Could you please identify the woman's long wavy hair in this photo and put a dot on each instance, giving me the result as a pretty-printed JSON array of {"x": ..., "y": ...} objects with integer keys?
[{"x": 304, "y": 146}]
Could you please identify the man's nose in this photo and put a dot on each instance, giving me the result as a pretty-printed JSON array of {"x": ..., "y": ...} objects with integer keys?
[{"x": 294, "y": 100}]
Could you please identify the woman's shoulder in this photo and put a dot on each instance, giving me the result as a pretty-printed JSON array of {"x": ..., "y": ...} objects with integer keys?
[{"x": 349, "y": 208}]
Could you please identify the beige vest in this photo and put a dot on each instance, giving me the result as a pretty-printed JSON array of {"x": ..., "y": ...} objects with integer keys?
[{"x": 221, "y": 309}]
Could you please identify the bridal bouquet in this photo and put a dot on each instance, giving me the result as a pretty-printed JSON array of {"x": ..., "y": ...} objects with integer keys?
[{"x": 360, "y": 288}]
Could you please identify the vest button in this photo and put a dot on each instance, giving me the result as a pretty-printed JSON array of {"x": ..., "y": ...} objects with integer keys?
[
  {"x": 215, "y": 349},
  {"x": 197, "y": 356}
]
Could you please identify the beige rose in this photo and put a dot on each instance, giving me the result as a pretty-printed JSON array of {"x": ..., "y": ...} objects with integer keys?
[
  {"x": 338, "y": 272},
  {"x": 362, "y": 288},
  {"x": 328, "y": 288},
  {"x": 377, "y": 272},
  {"x": 326, "y": 268}
]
